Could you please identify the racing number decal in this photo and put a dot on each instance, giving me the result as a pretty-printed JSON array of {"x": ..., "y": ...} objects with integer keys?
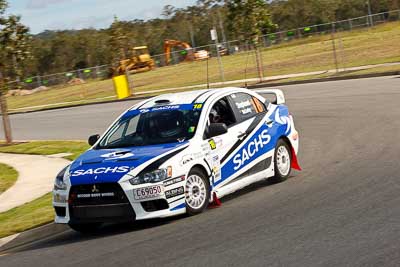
[
  {"x": 197, "y": 106},
  {"x": 257, "y": 105}
]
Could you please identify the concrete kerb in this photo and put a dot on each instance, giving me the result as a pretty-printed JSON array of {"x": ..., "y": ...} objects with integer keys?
[
  {"x": 272, "y": 83},
  {"x": 41, "y": 233}
]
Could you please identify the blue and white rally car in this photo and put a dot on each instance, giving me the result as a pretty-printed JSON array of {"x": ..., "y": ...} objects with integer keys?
[{"x": 177, "y": 153}]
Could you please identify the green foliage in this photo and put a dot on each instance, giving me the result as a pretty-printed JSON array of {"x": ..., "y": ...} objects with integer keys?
[
  {"x": 14, "y": 44},
  {"x": 61, "y": 51},
  {"x": 120, "y": 40},
  {"x": 8, "y": 176},
  {"x": 3, "y": 6},
  {"x": 289, "y": 14},
  {"x": 249, "y": 19}
]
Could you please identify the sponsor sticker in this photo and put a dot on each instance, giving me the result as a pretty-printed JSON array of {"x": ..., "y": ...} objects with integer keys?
[
  {"x": 246, "y": 153},
  {"x": 174, "y": 192},
  {"x": 218, "y": 141},
  {"x": 212, "y": 144},
  {"x": 186, "y": 159},
  {"x": 205, "y": 147},
  {"x": 165, "y": 108},
  {"x": 117, "y": 155},
  {"x": 102, "y": 170},
  {"x": 109, "y": 194},
  {"x": 174, "y": 180},
  {"x": 216, "y": 168}
]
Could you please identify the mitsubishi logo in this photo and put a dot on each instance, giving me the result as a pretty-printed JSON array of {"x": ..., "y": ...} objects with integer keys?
[{"x": 95, "y": 189}]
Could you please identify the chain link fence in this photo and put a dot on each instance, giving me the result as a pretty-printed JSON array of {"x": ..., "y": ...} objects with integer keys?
[{"x": 240, "y": 61}]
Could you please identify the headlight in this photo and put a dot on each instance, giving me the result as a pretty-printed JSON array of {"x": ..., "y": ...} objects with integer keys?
[
  {"x": 59, "y": 183},
  {"x": 152, "y": 177}
]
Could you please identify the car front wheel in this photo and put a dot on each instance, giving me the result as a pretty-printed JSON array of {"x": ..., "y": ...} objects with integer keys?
[{"x": 197, "y": 193}]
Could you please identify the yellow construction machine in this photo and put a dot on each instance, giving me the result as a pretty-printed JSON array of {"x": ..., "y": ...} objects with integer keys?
[{"x": 140, "y": 61}]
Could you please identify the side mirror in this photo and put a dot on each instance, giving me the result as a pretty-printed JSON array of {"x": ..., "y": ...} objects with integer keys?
[
  {"x": 215, "y": 129},
  {"x": 93, "y": 139}
]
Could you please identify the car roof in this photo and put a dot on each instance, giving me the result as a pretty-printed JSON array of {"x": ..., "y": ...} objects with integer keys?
[{"x": 188, "y": 97}]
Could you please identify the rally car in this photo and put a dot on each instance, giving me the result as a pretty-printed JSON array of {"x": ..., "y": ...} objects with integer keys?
[{"x": 177, "y": 153}]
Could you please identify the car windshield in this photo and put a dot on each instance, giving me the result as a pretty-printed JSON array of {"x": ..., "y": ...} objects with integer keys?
[{"x": 159, "y": 125}]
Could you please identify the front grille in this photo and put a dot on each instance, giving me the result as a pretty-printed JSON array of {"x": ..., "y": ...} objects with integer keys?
[
  {"x": 97, "y": 194},
  {"x": 105, "y": 202}
]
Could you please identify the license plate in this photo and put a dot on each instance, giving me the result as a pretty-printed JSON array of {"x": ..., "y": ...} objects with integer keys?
[{"x": 148, "y": 192}]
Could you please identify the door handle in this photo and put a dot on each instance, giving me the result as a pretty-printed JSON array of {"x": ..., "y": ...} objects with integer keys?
[{"x": 241, "y": 135}]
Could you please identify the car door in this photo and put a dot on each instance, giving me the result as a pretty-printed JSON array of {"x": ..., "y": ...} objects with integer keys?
[
  {"x": 250, "y": 138},
  {"x": 222, "y": 146}
]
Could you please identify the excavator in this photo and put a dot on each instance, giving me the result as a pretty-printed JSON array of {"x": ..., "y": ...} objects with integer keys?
[
  {"x": 140, "y": 61},
  {"x": 190, "y": 55}
]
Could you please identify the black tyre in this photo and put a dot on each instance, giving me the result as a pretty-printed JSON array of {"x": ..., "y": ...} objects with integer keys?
[
  {"x": 282, "y": 162},
  {"x": 197, "y": 191},
  {"x": 85, "y": 228}
]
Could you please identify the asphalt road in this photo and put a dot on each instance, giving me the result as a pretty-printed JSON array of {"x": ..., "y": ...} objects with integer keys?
[
  {"x": 343, "y": 209},
  {"x": 76, "y": 123}
]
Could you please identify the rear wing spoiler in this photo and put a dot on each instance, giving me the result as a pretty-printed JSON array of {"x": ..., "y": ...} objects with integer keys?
[{"x": 279, "y": 96}]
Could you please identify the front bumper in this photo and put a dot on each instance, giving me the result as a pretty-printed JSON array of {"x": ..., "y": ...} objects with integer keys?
[{"x": 115, "y": 202}]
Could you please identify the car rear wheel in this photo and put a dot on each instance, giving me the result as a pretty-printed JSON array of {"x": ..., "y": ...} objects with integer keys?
[
  {"x": 282, "y": 161},
  {"x": 85, "y": 228},
  {"x": 197, "y": 192}
]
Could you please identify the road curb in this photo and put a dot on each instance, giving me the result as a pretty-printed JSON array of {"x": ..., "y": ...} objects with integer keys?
[
  {"x": 31, "y": 236},
  {"x": 259, "y": 85}
]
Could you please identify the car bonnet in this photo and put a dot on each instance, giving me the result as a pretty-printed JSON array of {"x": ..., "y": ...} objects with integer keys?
[{"x": 110, "y": 165}]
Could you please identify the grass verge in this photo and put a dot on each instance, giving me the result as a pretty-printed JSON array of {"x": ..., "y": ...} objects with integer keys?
[
  {"x": 343, "y": 74},
  {"x": 8, "y": 177},
  {"x": 27, "y": 216},
  {"x": 48, "y": 148},
  {"x": 38, "y": 211}
]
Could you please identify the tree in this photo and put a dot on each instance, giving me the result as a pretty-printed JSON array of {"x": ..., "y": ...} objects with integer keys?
[
  {"x": 118, "y": 41},
  {"x": 249, "y": 19},
  {"x": 14, "y": 50}
]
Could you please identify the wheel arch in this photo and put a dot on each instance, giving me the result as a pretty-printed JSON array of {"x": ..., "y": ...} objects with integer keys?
[{"x": 202, "y": 168}]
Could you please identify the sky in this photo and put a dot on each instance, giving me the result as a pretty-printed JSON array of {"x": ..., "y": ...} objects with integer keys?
[{"x": 40, "y": 15}]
